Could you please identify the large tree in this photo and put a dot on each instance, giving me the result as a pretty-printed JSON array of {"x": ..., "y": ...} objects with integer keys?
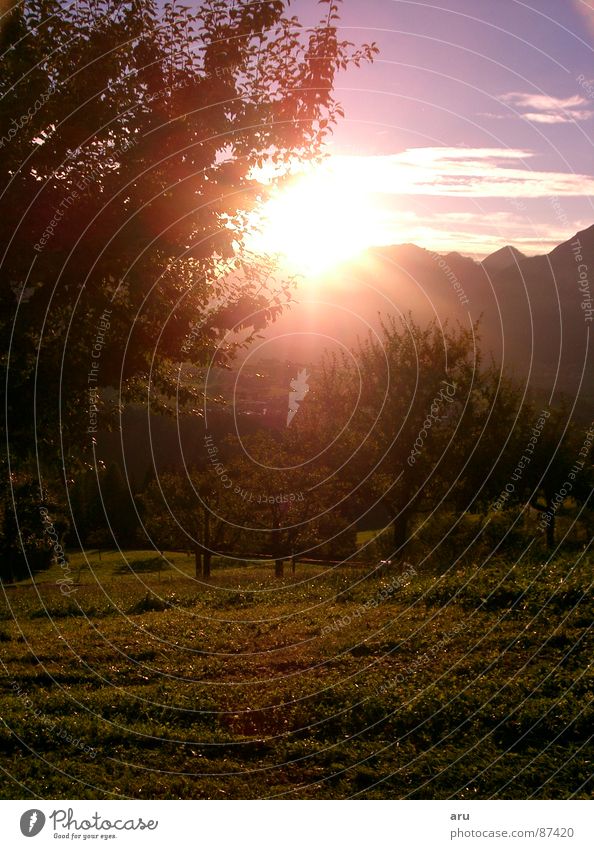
[{"x": 131, "y": 134}]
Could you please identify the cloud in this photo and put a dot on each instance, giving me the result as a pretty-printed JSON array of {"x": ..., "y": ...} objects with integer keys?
[
  {"x": 377, "y": 191},
  {"x": 544, "y": 109},
  {"x": 472, "y": 233},
  {"x": 458, "y": 172}
]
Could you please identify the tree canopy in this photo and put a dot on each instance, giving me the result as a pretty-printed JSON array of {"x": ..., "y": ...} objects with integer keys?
[{"x": 130, "y": 136}]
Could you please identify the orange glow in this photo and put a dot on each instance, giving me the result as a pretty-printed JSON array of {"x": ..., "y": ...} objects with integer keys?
[{"x": 315, "y": 222}]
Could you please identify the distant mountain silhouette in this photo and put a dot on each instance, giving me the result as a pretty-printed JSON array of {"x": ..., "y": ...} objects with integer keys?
[
  {"x": 532, "y": 320},
  {"x": 503, "y": 258}
]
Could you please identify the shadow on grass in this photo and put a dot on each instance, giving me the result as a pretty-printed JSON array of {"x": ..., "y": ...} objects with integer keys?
[{"x": 151, "y": 565}]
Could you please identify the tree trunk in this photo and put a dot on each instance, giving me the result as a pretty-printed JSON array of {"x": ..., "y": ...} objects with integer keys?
[
  {"x": 206, "y": 553},
  {"x": 400, "y": 532},
  {"x": 198, "y": 561},
  {"x": 551, "y": 530},
  {"x": 206, "y": 556},
  {"x": 279, "y": 561}
]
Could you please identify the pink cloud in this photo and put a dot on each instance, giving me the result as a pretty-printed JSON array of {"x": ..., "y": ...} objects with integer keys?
[{"x": 545, "y": 109}]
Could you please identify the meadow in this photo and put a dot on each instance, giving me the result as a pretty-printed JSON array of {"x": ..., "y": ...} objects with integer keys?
[{"x": 147, "y": 683}]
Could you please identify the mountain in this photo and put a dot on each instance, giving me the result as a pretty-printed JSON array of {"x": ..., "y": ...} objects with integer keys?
[
  {"x": 502, "y": 259},
  {"x": 533, "y": 314}
]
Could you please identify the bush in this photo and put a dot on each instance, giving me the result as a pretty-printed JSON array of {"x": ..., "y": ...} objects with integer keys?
[
  {"x": 150, "y": 604},
  {"x": 505, "y": 531},
  {"x": 447, "y": 538}
]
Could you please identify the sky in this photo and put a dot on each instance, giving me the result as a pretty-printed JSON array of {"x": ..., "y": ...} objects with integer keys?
[{"x": 474, "y": 127}]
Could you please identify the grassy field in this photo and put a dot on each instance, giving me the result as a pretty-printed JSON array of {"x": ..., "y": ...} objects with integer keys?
[{"x": 146, "y": 683}]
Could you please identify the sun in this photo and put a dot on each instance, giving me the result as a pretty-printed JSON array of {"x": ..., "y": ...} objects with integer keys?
[{"x": 314, "y": 223}]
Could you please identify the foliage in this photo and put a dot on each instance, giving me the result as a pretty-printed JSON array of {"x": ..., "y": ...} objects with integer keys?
[
  {"x": 142, "y": 129},
  {"x": 188, "y": 512},
  {"x": 563, "y": 468},
  {"x": 132, "y": 134},
  {"x": 289, "y": 501},
  {"x": 33, "y": 535},
  {"x": 433, "y": 430}
]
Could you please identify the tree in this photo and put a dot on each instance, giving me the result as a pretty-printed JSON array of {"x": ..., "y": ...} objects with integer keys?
[
  {"x": 284, "y": 497},
  {"x": 126, "y": 177},
  {"x": 185, "y": 511},
  {"x": 34, "y": 539},
  {"x": 561, "y": 467},
  {"x": 421, "y": 414},
  {"x": 130, "y": 134}
]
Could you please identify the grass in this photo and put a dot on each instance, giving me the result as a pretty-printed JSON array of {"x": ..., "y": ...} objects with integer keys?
[{"x": 146, "y": 683}]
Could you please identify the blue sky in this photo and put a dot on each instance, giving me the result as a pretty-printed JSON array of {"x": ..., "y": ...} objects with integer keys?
[{"x": 511, "y": 83}]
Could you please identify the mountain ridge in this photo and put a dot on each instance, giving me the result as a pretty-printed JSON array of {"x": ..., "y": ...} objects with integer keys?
[
  {"x": 503, "y": 258},
  {"x": 531, "y": 308}
]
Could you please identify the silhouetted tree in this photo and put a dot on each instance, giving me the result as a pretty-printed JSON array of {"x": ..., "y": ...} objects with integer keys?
[
  {"x": 33, "y": 535},
  {"x": 130, "y": 134},
  {"x": 285, "y": 498},
  {"x": 420, "y": 423},
  {"x": 561, "y": 469},
  {"x": 181, "y": 512}
]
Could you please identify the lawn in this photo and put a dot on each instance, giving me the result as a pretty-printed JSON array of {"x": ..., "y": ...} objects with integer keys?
[{"x": 147, "y": 683}]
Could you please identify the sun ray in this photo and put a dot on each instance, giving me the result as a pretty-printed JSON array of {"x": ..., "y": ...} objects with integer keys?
[{"x": 314, "y": 222}]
